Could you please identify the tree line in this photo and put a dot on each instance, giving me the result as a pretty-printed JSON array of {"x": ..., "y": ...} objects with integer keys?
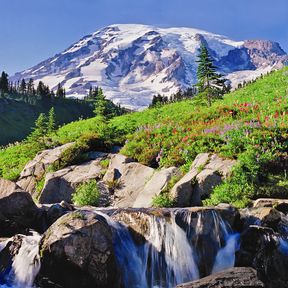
[{"x": 28, "y": 88}]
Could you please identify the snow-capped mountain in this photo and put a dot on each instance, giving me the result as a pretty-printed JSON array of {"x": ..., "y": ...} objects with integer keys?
[{"x": 133, "y": 62}]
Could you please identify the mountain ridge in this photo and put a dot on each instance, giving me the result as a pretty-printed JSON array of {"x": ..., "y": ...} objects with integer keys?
[{"x": 132, "y": 62}]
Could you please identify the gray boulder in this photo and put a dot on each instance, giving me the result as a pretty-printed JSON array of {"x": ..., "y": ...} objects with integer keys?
[
  {"x": 133, "y": 178},
  {"x": 18, "y": 212},
  {"x": 36, "y": 168},
  {"x": 77, "y": 251},
  {"x": 154, "y": 187},
  {"x": 61, "y": 184},
  {"x": 232, "y": 278},
  {"x": 207, "y": 171}
]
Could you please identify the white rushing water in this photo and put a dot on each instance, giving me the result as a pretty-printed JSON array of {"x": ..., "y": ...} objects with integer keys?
[
  {"x": 168, "y": 256},
  {"x": 26, "y": 264}
]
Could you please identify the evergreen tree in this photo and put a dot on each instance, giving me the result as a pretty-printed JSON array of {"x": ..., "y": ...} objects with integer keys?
[
  {"x": 209, "y": 83},
  {"x": 23, "y": 87},
  {"x": 51, "y": 125},
  {"x": 60, "y": 93},
  {"x": 100, "y": 104},
  {"x": 4, "y": 83},
  {"x": 30, "y": 87},
  {"x": 40, "y": 129}
]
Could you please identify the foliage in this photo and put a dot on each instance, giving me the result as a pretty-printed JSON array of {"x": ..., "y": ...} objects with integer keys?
[
  {"x": 77, "y": 153},
  {"x": 253, "y": 119},
  {"x": 210, "y": 84},
  {"x": 51, "y": 125},
  {"x": 87, "y": 194},
  {"x": 162, "y": 200}
]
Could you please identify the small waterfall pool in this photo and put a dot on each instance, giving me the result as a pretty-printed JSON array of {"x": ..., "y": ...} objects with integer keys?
[
  {"x": 173, "y": 250},
  {"x": 179, "y": 247},
  {"x": 25, "y": 266}
]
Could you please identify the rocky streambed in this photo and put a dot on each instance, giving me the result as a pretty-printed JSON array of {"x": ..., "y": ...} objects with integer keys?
[
  {"x": 133, "y": 247},
  {"x": 59, "y": 245}
]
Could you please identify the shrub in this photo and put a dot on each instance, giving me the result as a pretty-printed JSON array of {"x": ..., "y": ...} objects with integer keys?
[
  {"x": 87, "y": 194},
  {"x": 76, "y": 154},
  {"x": 163, "y": 200}
]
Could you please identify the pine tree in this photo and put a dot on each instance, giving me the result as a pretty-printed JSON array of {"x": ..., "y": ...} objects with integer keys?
[
  {"x": 23, "y": 87},
  {"x": 30, "y": 87},
  {"x": 40, "y": 129},
  {"x": 4, "y": 83},
  {"x": 51, "y": 125},
  {"x": 100, "y": 104},
  {"x": 209, "y": 83},
  {"x": 60, "y": 93}
]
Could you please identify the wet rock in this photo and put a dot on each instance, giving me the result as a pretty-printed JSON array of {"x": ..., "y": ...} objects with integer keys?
[
  {"x": 264, "y": 250},
  {"x": 264, "y": 216},
  {"x": 77, "y": 251},
  {"x": 279, "y": 204},
  {"x": 36, "y": 168},
  {"x": 18, "y": 212},
  {"x": 235, "y": 278}
]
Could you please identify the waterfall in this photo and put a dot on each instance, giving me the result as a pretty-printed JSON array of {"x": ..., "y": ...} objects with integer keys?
[
  {"x": 26, "y": 264},
  {"x": 173, "y": 248}
]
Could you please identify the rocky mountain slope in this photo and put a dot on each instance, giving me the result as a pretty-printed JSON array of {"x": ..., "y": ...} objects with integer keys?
[{"x": 134, "y": 62}]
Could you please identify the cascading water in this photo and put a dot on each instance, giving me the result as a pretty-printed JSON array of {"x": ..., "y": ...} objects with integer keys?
[
  {"x": 25, "y": 266},
  {"x": 172, "y": 251}
]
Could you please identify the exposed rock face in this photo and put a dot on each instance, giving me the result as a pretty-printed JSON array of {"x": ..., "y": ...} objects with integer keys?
[
  {"x": 206, "y": 172},
  {"x": 36, "y": 168},
  {"x": 77, "y": 251},
  {"x": 17, "y": 210},
  {"x": 60, "y": 185},
  {"x": 154, "y": 187},
  {"x": 235, "y": 278},
  {"x": 263, "y": 51}
]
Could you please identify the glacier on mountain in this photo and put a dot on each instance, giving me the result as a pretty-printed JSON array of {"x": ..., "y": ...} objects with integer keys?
[{"x": 134, "y": 62}]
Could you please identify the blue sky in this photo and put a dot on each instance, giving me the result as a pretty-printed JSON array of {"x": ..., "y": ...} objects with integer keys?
[{"x": 33, "y": 30}]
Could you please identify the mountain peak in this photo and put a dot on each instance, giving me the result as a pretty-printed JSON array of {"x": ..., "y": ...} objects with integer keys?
[{"x": 132, "y": 62}]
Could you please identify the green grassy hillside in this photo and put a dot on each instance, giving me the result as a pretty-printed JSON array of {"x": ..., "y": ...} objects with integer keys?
[
  {"x": 17, "y": 117},
  {"x": 249, "y": 124}
]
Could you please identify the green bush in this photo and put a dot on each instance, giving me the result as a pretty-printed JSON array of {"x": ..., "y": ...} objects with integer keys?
[
  {"x": 87, "y": 194},
  {"x": 243, "y": 185},
  {"x": 163, "y": 200},
  {"x": 77, "y": 153}
]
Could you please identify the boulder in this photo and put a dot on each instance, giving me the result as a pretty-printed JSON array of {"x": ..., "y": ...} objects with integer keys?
[
  {"x": 18, "y": 212},
  {"x": 77, "y": 251},
  {"x": 278, "y": 204},
  {"x": 116, "y": 167},
  {"x": 264, "y": 216},
  {"x": 132, "y": 180},
  {"x": 264, "y": 250},
  {"x": 207, "y": 171},
  {"x": 60, "y": 185},
  {"x": 36, "y": 168},
  {"x": 154, "y": 187},
  {"x": 232, "y": 278}
]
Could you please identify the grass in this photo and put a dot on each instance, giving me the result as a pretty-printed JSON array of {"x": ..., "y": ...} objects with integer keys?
[
  {"x": 86, "y": 194},
  {"x": 247, "y": 122}
]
